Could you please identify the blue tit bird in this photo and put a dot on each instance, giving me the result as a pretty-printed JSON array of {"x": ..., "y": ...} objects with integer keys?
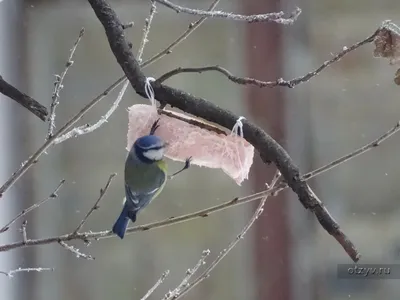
[{"x": 145, "y": 177}]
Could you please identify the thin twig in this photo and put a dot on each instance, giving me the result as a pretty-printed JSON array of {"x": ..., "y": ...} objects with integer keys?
[
  {"x": 23, "y": 231},
  {"x": 87, "y": 128},
  {"x": 19, "y": 270},
  {"x": 355, "y": 153},
  {"x": 81, "y": 130},
  {"x": 280, "y": 82},
  {"x": 128, "y": 25},
  {"x": 204, "y": 212},
  {"x": 34, "y": 206},
  {"x": 156, "y": 285},
  {"x": 192, "y": 27},
  {"x": 33, "y": 159},
  {"x": 75, "y": 251},
  {"x": 23, "y": 99},
  {"x": 276, "y": 17},
  {"x": 146, "y": 31},
  {"x": 168, "y": 50},
  {"x": 337, "y": 57},
  {"x": 232, "y": 245},
  {"x": 189, "y": 274},
  {"x": 58, "y": 85},
  {"x": 96, "y": 204}
]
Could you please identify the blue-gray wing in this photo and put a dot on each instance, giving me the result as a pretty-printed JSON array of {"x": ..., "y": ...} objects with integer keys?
[
  {"x": 136, "y": 201},
  {"x": 142, "y": 184}
]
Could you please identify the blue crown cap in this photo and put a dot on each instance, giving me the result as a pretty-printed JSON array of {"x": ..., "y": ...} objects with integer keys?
[{"x": 148, "y": 142}]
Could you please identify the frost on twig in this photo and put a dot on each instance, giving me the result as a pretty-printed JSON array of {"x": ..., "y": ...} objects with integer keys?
[
  {"x": 146, "y": 31},
  {"x": 277, "y": 17},
  {"x": 76, "y": 251},
  {"x": 11, "y": 273},
  {"x": 81, "y": 130},
  {"x": 156, "y": 285},
  {"x": 58, "y": 85},
  {"x": 185, "y": 282},
  {"x": 87, "y": 128},
  {"x": 192, "y": 27}
]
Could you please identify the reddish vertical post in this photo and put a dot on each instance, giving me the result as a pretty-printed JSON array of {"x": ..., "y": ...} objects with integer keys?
[{"x": 267, "y": 109}]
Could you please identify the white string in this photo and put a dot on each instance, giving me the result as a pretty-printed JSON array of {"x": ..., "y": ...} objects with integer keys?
[
  {"x": 150, "y": 95},
  {"x": 149, "y": 90},
  {"x": 238, "y": 131},
  {"x": 238, "y": 127}
]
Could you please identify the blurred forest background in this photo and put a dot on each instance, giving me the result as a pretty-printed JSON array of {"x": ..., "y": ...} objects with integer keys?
[{"x": 286, "y": 255}]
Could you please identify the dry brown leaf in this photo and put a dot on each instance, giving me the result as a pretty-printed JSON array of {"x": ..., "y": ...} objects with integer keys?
[
  {"x": 387, "y": 42},
  {"x": 397, "y": 77}
]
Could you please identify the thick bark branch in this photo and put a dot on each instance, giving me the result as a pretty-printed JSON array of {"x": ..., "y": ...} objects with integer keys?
[{"x": 30, "y": 104}]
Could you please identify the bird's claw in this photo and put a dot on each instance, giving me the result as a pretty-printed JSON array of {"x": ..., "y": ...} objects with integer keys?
[
  {"x": 154, "y": 127},
  {"x": 187, "y": 165},
  {"x": 188, "y": 162}
]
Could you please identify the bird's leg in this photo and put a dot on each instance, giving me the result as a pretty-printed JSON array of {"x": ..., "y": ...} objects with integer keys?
[
  {"x": 154, "y": 127},
  {"x": 185, "y": 167}
]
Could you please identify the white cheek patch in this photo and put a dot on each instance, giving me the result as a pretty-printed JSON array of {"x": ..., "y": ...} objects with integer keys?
[{"x": 154, "y": 154}]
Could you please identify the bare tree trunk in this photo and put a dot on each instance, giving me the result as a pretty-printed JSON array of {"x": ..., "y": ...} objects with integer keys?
[{"x": 267, "y": 107}]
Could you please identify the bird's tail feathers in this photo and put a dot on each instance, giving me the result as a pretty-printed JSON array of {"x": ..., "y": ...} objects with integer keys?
[{"x": 121, "y": 224}]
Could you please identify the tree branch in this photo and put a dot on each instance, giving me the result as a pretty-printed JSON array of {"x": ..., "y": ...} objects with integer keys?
[
  {"x": 75, "y": 251},
  {"x": 11, "y": 273},
  {"x": 32, "y": 207},
  {"x": 156, "y": 285},
  {"x": 96, "y": 204},
  {"x": 58, "y": 85},
  {"x": 268, "y": 148},
  {"x": 276, "y": 17},
  {"x": 87, "y": 128},
  {"x": 34, "y": 158},
  {"x": 192, "y": 27},
  {"x": 29, "y": 103},
  {"x": 146, "y": 31},
  {"x": 279, "y": 82},
  {"x": 232, "y": 245},
  {"x": 189, "y": 274}
]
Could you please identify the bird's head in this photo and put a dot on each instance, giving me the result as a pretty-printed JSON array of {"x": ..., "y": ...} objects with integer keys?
[{"x": 149, "y": 148}]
